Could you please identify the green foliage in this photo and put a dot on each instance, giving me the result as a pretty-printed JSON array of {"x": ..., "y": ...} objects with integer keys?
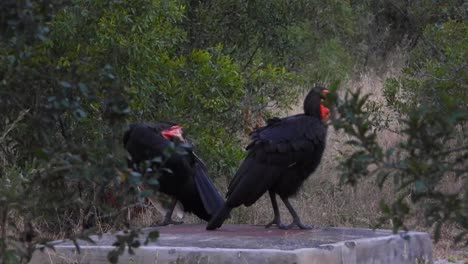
[
  {"x": 333, "y": 62},
  {"x": 210, "y": 81},
  {"x": 129, "y": 241},
  {"x": 290, "y": 34},
  {"x": 439, "y": 67},
  {"x": 418, "y": 166},
  {"x": 138, "y": 38},
  {"x": 382, "y": 26},
  {"x": 61, "y": 133},
  {"x": 431, "y": 100}
]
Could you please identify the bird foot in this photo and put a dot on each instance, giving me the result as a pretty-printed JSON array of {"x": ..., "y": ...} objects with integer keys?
[
  {"x": 300, "y": 225},
  {"x": 277, "y": 223},
  {"x": 213, "y": 225}
]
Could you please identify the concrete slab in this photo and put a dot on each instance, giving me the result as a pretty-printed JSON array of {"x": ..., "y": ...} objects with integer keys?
[{"x": 184, "y": 244}]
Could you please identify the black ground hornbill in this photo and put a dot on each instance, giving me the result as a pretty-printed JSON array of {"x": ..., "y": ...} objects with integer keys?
[
  {"x": 280, "y": 157},
  {"x": 186, "y": 180}
]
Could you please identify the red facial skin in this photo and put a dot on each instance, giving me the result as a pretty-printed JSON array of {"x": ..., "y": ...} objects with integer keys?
[
  {"x": 324, "y": 111},
  {"x": 173, "y": 132}
]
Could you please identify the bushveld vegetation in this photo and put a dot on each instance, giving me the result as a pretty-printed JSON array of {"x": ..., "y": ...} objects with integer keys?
[{"x": 74, "y": 73}]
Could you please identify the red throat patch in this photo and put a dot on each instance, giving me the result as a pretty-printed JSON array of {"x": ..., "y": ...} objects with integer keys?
[
  {"x": 324, "y": 113},
  {"x": 173, "y": 132}
]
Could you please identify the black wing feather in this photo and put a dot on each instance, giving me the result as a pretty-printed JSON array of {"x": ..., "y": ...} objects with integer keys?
[{"x": 273, "y": 150}]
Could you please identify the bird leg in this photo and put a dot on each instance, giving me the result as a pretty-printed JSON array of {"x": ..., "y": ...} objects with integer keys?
[
  {"x": 296, "y": 221},
  {"x": 168, "y": 217},
  {"x": 276, "y": 219}
]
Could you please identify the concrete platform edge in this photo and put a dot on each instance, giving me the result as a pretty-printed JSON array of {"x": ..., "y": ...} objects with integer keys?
[{"x": 417, "y": 249}]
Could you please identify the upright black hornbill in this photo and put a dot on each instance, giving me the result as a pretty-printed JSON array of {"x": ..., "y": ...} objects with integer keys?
[
  {"x": 280, "y": 157},
  {"x": 186, "y": 179}
]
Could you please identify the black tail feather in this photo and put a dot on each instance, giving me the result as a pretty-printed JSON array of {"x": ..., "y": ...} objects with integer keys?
[
  {"x": 212, "y": 200},
  {"x": 218, "y": 220}
]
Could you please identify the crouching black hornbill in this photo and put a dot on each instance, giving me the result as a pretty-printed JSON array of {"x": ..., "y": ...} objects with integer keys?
[
  {"x": 280, "y": 157},
  {"x": 186, "y": 180}
]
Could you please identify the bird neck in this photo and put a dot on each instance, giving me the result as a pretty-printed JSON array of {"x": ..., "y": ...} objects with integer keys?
[{"x": 312, "y": 105}]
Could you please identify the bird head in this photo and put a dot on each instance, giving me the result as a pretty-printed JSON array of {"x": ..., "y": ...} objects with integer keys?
[
  {"x": 172, "y": 133},
  {"x": 313, "y": 104}
]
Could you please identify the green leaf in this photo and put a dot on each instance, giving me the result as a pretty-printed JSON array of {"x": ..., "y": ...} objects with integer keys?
[
  {"x": 153, "y": 182},
  {"x": 83, "y": 88},
  {"x": 151, "y": 237},
  {"x": 65, "y": 84},
  {"x": 146, "y": 194},
  {"x": 113, "y": 256}
]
